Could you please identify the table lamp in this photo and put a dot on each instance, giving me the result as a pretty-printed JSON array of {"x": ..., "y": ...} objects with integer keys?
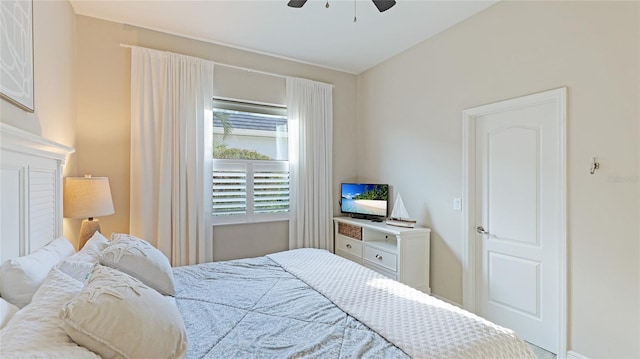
[{"x": 87, "y": 197}]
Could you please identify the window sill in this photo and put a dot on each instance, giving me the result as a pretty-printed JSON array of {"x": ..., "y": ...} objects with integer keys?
[{"x": 235, "y": 223}]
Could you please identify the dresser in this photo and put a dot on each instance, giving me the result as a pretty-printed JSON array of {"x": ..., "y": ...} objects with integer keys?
[{"x": 396, "y": 252}]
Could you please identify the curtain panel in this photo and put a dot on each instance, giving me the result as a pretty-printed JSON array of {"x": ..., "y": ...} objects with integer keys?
[
  {"x": 171, "y": 153},
  {"x": 310, "y": 113}
]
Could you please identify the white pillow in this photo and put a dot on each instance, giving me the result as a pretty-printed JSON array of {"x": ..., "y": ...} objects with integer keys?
[
  {"x": 22, "y": 276},
  {"x": 80, "y": 265},
  {"x": 139, "y": 259},
  {"x": 7, "y": 311},
  {"x": 36, "y": 330},
  {"x": 90, "y": 252},
  {"x": 116, "y": 315},
  {"x": 78, "y": 270}
]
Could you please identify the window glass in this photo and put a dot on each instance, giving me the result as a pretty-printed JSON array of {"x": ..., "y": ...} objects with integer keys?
[
  {"x": 250, "y": 176},
  {"x": 251, "y": 132}
]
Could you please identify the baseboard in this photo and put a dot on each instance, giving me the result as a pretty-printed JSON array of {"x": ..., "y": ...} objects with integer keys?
[
  {"x": 447, "y": 300},
  {"x": 574, "y": 355}
]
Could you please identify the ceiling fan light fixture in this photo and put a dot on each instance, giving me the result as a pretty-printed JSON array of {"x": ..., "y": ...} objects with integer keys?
[
  {"x": 296, "y": 3},
  {"x": 384, "y": 5}
]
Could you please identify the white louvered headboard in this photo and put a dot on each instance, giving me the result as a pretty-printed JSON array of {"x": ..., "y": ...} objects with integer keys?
[{"x": 30, "y": 191}]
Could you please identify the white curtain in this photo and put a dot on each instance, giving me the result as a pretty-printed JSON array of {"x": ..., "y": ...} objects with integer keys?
[
  {"x": 171, "y": 144},
  {"x": 310, "y": 113}
]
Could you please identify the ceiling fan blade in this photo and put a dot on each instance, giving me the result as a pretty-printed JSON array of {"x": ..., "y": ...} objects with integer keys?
[
  {"x": 382, "y": 5},
  {"x": 297, "y": 3}
]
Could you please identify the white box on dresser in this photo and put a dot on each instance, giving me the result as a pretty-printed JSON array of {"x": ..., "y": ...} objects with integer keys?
[{"x": 396, "y": 252}]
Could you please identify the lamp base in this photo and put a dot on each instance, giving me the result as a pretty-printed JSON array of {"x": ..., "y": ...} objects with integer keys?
[{"x": 88, "y": 228}]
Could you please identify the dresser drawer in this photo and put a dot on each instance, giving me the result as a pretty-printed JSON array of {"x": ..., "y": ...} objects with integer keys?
[
  {"x": 380, "y": 257},
  {"x": 348, "y": 245}
]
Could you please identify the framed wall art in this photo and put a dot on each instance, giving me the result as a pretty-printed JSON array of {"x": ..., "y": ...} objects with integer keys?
[{"x": 16, "y": 52}]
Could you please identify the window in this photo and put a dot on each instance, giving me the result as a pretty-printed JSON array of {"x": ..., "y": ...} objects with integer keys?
[{"x": 250, "y": 176}]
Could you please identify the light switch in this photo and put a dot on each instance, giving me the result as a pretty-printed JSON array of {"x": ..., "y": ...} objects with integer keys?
[{"x": 457, "y": 204}]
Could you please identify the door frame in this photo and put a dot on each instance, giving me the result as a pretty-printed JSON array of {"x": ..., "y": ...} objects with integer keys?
[{"x": 469, "y": 265}]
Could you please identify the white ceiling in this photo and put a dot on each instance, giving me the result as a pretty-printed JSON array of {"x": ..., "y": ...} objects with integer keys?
[{"x": 313, "y": 34}]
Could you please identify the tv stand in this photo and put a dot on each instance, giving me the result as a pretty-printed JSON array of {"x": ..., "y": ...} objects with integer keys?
[{"x": 396, "y": 252}]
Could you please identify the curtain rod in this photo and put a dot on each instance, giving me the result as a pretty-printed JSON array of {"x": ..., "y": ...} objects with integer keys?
[
  {"x": 221, "y": 64},
  {"x": 225, "y": 65}
]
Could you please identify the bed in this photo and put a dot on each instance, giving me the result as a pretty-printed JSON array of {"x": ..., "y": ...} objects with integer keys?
[
  {"x": 311, "y": 303},
  {"x": 292, "y": 304}
]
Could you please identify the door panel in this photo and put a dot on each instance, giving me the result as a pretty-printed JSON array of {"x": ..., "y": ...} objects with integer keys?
[
  {"x": 512, "y": 184},
  {"x": 519, "y": 289}
]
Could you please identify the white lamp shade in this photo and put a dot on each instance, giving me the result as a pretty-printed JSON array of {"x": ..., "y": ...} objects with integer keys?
[{"x": 87, "y": 197}]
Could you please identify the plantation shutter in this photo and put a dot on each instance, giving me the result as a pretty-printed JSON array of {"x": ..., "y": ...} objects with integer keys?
[
  {"x": 229, "y": 189},
  {"x": 250, "y": 190}
]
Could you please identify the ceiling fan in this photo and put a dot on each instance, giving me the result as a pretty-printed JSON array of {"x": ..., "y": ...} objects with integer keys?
[{"x": 382, "y": 5}]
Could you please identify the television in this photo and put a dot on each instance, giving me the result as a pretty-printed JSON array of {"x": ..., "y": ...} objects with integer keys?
[{"x": 365, "y": 200}]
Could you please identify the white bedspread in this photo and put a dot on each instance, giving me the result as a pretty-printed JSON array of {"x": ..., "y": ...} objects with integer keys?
[{"x": 419, "y": 324}]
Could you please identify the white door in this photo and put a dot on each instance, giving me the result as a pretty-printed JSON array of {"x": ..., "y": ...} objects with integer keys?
[{"x": 518, "y": 218}]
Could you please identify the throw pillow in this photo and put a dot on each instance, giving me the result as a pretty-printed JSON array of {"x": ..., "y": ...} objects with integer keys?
[
  {"x": 117, "y": 316},
  {"x": 141, "y": 260}
]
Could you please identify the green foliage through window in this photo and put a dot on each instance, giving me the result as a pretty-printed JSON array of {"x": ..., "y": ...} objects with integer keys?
[{"x": 222, "y": 152}]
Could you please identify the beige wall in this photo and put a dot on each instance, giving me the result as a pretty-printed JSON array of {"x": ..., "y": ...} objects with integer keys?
[
  {"x": 104, "y": 115},
  {"x": 54, "y": 58},
  {"x": 249, "y": 240},
  {"x": 410, "y": 119}
]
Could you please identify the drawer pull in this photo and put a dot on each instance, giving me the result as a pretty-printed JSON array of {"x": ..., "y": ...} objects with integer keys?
[
  {"x": 378, "y": 256},
  {"x": 348, "y": 245}
]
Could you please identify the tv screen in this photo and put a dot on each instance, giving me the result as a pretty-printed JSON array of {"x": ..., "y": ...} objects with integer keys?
[{"x": 366, "y": 200}]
